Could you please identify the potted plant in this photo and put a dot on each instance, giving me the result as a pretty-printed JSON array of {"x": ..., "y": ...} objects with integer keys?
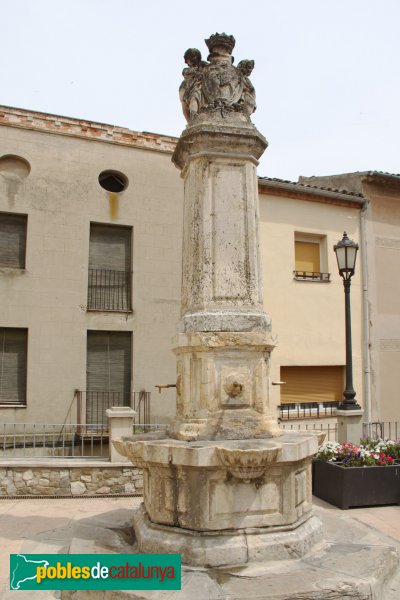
[{"x": 367, "y": 474}]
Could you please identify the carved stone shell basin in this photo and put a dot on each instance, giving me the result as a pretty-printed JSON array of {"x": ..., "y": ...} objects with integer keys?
[
  {"x": 130, "y": 449},
  {"x": 245, "y": 461},
  {"x": 119, "y": 445}
]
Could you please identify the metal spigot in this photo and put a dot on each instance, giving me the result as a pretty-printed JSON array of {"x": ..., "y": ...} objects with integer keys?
[{"x": 161, "y": 386}]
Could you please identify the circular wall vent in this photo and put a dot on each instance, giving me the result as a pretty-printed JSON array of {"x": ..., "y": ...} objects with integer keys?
[{"x": 113, "y": 181}]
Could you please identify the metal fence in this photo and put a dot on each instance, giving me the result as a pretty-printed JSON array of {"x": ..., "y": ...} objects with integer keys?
[
  {"x": 59, "y": 441},
  {"x": 330, "y": 429},
  {"x": 109, "y": 290},
  {"x": 386, "y": 430},
  {"x": 44, "y": 440},
  {"x": 307, "y": 410},
  {"x": 91, "y": 406}
]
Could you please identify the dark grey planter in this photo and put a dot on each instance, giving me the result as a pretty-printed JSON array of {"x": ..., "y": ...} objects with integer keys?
[{"x": 356, "y": 486}]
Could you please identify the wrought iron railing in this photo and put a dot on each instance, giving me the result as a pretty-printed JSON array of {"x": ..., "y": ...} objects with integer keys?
[
  {"x": 311, "y": 276},
  {"x": 307, "y": 410},
  {"x": 330, "y": 429},
  {"x": 109, "y": 290},
  {"x": 91, "y": 406},
  {"x": 59, "y": 441},
  {"x": 48, "y": 440},
  {"x": 382, "y": 429}
]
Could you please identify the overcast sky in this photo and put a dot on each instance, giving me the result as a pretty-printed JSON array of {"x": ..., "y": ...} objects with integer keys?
[{"x": 326, "y": 75}]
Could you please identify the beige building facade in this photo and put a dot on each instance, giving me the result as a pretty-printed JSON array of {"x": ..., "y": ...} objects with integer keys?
[
  {"x": 381, "y": 240},
  {"x": 90, "y": 275},
  {"x": 46, "y": 299}
]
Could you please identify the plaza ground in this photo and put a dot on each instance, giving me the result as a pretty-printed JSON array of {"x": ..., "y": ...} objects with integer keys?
[{"x": 53, "y": 526}]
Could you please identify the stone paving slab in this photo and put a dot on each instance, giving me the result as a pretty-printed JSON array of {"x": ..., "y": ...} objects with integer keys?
[{"x": 55, "y": 525}]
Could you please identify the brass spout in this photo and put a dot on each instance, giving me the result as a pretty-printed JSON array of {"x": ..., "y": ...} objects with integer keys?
[{"x": 161, "y": 386}]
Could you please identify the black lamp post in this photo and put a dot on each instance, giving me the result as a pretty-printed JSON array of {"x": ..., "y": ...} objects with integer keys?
[{"x": 346, "y": 254}]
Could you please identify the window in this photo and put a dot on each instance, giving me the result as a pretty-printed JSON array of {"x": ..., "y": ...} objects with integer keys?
[
  {"x": 108, "y": 373},
  {"x": 310, "y": 252},
  {"x": 13, "y": 353},
  {"x": 110, "y": 271},
  {"x": 311, "y": 391},
  {"x": 12, "y": 240}
]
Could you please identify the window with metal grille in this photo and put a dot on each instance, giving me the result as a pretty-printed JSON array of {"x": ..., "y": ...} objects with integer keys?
[
  {"x": 12, "y": 240},
  {"x": 13, "y": 360},
  {"x": 309, "y": 251},
  {"x": 110, "y": 270},
  {"x": 108, "y": 372}
]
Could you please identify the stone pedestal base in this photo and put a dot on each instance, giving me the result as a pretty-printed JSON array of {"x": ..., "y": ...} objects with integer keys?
[
  {"x": 226, "y": 547},
  {"x": 226, "y": 502},
  {"x": 350, "y": 427}
]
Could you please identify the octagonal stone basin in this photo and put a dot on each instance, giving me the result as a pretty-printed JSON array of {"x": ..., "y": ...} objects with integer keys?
[{"x": 248, "y": 460}]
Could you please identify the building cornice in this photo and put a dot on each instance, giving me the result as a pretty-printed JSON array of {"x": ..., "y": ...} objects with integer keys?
[{"x": 89, "y": 130}]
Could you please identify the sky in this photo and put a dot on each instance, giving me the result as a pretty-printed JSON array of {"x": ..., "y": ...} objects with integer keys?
[{"x": 326, "y": 74}]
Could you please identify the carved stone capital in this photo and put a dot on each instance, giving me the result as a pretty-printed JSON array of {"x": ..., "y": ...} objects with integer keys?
[{"x": 228, "y": 136}]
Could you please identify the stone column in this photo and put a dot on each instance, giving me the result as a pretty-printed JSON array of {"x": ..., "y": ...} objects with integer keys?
[
  {"x": 224, "y": 341},
  {"x": 243, "y": 491}
]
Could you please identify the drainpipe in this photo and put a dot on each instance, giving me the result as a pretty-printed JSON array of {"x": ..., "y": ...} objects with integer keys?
[{"x": 365, "y": 302}]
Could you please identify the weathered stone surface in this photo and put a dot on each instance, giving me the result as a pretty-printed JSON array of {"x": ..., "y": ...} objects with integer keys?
[
  {"x": 216, "y": 86},
  {"x": 228, "y": 487},
  {"x": 354, "y": 565},
  {"x": 71, "y": 481},
  {"x": 77, "y": 488},
  {"x": 28, "y": 475},
  {"x": 103, "y": 490},
  {"x": 86, "y": 478}
]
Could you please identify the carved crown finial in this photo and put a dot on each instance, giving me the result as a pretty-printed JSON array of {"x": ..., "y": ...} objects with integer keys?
[{"x": 221, "y": 41}]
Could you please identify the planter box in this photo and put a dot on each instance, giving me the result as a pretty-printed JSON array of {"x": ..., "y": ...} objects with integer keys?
[{"x": 356, "y": 486}]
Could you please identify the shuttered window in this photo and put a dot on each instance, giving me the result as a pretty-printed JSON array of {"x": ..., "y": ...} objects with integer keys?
[
  {"x": 12, "y": 240},
  {"x": 307, "y": 257},
  {"x": 110, "y": 268},
  {"x": 311, "y": 384},
  {"x": 13, "y": 359},
  {"x": 108, "y": 377}
]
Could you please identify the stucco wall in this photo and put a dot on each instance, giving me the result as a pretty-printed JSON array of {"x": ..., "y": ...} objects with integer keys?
[
  {"x": 383, "y": 237},
  {"x": 307, "y": 316},
  {"x": 61, "y": 196}
]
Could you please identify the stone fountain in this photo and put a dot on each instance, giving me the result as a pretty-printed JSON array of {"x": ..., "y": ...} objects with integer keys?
[{"x": 227, "y": 486}]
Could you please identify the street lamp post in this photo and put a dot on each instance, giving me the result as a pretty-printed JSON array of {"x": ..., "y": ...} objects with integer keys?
[{"x": 346, "y": 254}]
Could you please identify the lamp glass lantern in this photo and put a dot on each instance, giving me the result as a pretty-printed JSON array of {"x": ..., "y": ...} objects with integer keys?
[{"x": 346, "y": 255}]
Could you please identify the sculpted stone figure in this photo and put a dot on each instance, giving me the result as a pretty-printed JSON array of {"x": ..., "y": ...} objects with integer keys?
[
  {"x": 249, "y": 93},
  {"x": 216, "y": 85},
  {"x": 190, "y": 88}
]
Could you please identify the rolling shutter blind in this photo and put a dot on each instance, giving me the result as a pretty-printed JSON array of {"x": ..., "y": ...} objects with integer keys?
[
  {"x": 307, "y": 255},
  {"x": 110, "y": 247},
  {"x": 108, "y": 377},
  {"x": 311, "y": 384},
  {"x": 13, "y": 349},
  {"x": 12, "y": 240}
]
